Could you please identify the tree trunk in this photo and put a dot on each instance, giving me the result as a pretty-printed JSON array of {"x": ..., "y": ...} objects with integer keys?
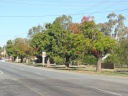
[
  {"x": 67, "y": 61},
  {"x": 98, "y": 66},
  {"x": 14, "y": 58},
  {"x": 22, "y": 59}
]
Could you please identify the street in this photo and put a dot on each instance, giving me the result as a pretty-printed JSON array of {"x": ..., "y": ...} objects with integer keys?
[{"x": 23, "y": 80}]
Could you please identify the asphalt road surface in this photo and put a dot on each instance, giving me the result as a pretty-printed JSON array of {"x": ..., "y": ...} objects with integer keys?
[{"x": 22, "y": 80}]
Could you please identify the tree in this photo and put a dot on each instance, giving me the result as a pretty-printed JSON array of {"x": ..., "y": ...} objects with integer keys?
[
  {"x": 57, "y": 32},
  {"x": 100, "y": 45},
  {"x": 41, "y": 41},
  {"x": 50, "y": 40},
  {"x": 64, "y": 21},
  {"x": 74, "y": 45},
  {"x": 114, "y": 27},
  {"x": 57, "y": 41},
  {"x": 10, "y": 48},
  {"x": 27, "y": 50},
  {"x": 124, "y": 53},
  {"x": 61, "y": 39},
  {"x": 103, "y": 27},
  {"x": 104, "y": 45},
  {"x": 19, "y": 47},
  {"x": 34, "y": 30},
  {"x": 64, "y": 42},
  {"x": 74, "y": 28}
]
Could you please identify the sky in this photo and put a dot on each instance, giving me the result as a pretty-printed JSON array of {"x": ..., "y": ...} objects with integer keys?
[{"x": 18, "y": 16}]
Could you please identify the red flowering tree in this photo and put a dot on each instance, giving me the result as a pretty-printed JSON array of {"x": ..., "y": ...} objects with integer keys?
[{"x": 74, "y": 28}]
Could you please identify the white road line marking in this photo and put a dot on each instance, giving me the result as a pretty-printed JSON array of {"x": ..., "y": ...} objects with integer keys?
[
  {"x": 107, "y": 91},
  {"x": 21, "y": 69},
  {"x": 1, "y": 72},
  {"x": 38, "y": 73}
]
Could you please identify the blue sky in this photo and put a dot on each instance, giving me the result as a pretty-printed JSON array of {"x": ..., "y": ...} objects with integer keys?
[{"x": 18, "y": 16}]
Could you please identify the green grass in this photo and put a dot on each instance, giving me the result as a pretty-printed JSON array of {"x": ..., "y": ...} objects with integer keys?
[
  {"x": 114, "y": 73},
  {"x": 119, "y": 72},
  {"x": 92, "y": 70}
]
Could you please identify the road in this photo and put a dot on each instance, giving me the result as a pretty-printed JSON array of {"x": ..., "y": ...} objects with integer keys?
[{"x": 22, "y": 80}]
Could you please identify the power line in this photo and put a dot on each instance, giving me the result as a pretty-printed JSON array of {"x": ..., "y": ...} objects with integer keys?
[
  {"x": 105, "y": 17},
  {"x": 111, "y": 5},
  {"x": 102, "y": 12},
  {"x": 112, "y": 11},
  {"x": 104, "y": 8},
  {"x": 96, "y": 5},
  {"x": 68, "y": 14}
]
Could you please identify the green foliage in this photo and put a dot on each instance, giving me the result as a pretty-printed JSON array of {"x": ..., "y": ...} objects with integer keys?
[
  {"x": 113, "y": 58},
  {"x": 114, "y": 27},
  {"x": 59, "y": 42},
  {"x": 88, "y": 29},
  {"x": 104, "y": 44},
  {"x": 58, "y": 60},
  {"x": 124, "y": 52},
  {"x": 75, "y": 44},
  {"x": 64, "y": 21},
  {"x": 19, "y": 47},
  {"x": 120, "y": 56},
  {"x": 90, "y": 59},
  {"x": 56, "y": 40},
  {"x": 101, "y": 43},
  {"x": 64, "y": 40},
  {"x": 34, "y": 30},
  {"x": 10, "y": 48},
  {"x": 38, "y": 41}
]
